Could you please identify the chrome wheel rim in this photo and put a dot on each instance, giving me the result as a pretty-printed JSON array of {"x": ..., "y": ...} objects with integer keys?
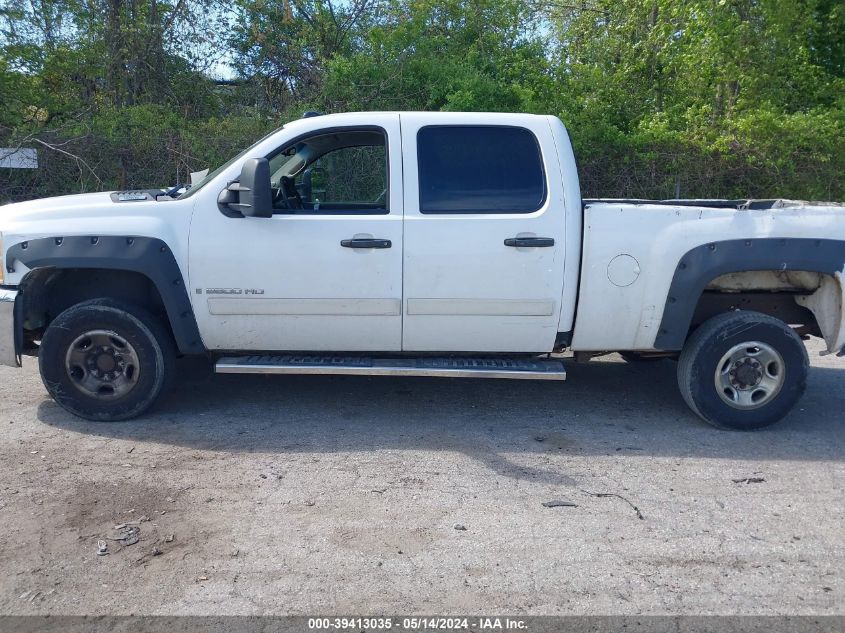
[
  {"x": 750, "y": 375},
  {"x": 102, "y": 364}
]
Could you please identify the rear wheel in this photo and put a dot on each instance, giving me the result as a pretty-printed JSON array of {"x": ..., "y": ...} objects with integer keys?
[
  {"x": 743, "y": 370},
  {"x": 102, "y": 360}
]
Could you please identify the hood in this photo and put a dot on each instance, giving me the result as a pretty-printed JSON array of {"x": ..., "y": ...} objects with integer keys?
[
  {"x": 102, "y": 213},
  {"x": 78, "y": 202},
  {"x": 95, "y": 215},
  {"x": 105, "y": 204}
]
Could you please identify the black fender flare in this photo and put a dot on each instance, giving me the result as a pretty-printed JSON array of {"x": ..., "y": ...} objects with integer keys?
[
  {"x": 703, "y": 264},
  {"x": 148, "y": 256}
]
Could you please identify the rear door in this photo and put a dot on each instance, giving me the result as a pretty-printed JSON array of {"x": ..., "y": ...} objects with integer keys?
[{"x": 484, "y": 228}]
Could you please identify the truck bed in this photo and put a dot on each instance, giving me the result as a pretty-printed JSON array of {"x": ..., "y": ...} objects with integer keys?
[
  {"x": 712, "y": 203},
  {"x": 641, "y": 255}
]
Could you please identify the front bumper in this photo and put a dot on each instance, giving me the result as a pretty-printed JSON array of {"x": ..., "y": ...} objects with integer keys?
[{"x": 8, "y": 328}]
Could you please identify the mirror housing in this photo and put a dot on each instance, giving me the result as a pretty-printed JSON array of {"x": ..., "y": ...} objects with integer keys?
[
  {"x": 251, "y": 196},
  {"x": 255, "y": 199}
]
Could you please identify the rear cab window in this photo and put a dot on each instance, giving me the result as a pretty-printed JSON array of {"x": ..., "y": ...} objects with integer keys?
[{"x": 479, "y": 169}]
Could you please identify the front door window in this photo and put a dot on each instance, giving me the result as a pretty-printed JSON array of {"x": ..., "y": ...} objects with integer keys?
[{"x": 340, "y": 172}]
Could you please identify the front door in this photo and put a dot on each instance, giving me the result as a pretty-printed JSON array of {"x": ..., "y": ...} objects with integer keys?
[
  {"x": 324, "y": 273},
  {"x": 484, "y": 227}
]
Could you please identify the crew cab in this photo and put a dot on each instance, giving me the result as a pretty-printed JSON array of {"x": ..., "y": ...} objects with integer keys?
[{"x": 411, "y": 243}]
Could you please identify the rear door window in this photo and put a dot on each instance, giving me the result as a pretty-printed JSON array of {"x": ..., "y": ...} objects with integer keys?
[{"x": 479, "y": 169}]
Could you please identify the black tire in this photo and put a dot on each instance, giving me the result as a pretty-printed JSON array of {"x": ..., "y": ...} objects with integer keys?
[
  {"x": 781, "y": 382},
  {"x": 135, "y": 384}
]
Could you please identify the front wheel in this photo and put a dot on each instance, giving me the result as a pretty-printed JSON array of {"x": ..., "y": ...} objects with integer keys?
[
  {"x": 743, "y": 370},
  {"x": 105, "y": 361}
]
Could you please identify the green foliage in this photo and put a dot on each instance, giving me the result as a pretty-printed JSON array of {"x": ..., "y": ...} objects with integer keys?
[
  {"x": 706, "y": 98},
  {"x": 132, "y": 147},
  {"x": 730, "y": 98},
  {"x": 443, "y": 55}
]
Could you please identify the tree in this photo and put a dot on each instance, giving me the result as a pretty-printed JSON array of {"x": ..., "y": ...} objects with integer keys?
[
  {"x": 88, "y": 53},
  {"x": 286, "y": 44},
  {"x": 445, "y": 54},
  {"x": 703, "y": 97}
]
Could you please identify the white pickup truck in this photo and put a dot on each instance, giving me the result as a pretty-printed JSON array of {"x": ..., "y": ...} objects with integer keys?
[{"x": 431, "y": 244}]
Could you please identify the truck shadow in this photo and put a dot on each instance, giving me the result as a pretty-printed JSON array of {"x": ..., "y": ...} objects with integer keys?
[{"x": 605, "y": 408}]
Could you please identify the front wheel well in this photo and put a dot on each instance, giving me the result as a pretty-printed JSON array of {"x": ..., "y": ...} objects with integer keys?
[{"x": 47, "y": 292}]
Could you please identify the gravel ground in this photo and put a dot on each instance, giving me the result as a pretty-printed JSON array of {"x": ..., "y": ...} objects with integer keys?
[{"x": 303, "y": 495}]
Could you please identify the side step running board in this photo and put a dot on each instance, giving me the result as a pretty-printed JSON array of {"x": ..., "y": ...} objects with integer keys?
[{"x": 518, "y": 368}]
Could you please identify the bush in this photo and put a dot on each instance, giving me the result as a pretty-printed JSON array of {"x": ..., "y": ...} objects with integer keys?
[
  {"x": 762, "y": 154},
  {"x": 135, "y": 147}
]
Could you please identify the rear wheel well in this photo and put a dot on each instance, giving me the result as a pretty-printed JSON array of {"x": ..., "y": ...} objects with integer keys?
[
  {"x": 770, "y": 292},
  {"x": 47, "y": 292}
]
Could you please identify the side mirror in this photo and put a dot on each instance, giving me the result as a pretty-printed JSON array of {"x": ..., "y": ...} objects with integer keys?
[
  {"x": 255, "y": 199},
  {"x": 251, "y": 196}
]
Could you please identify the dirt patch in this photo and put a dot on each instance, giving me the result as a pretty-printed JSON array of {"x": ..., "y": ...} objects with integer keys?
[{"x": 256, "y": 495}]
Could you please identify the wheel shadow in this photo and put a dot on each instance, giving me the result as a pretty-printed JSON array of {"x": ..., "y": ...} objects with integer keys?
[{"x": 606, "y": 407}]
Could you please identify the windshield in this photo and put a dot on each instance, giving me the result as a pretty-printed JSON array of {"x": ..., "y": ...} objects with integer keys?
[{"x": 212, "y": 175}]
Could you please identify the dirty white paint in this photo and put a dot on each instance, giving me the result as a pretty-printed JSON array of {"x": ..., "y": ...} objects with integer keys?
[
  {"x": 767, "y": 280},
  {"x": 826, "y": 304},
  {"x": 611, "y": 317}
]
